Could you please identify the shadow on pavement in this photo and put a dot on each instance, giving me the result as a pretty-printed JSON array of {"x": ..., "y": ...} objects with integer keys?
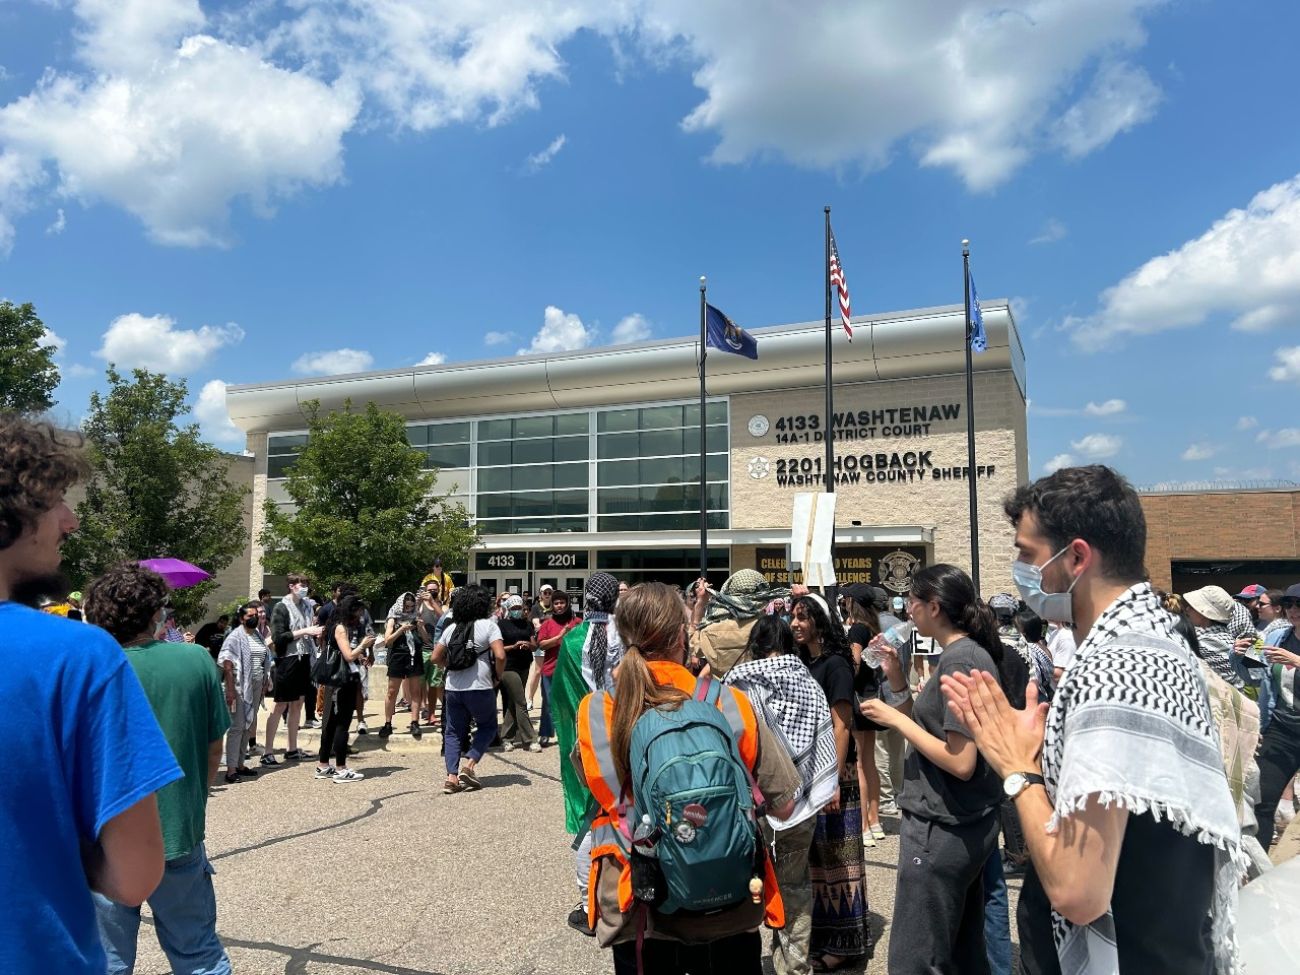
[{"x": 374, "y": 807}]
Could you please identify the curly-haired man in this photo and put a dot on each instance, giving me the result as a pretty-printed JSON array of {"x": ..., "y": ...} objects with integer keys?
[{"x": 78, "y": 808}]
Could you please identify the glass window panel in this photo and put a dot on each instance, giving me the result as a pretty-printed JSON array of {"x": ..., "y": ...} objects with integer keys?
[
  {"x": 418, "y": 435},
  {"x": 533, "y": 451},
  {"x": 620, "y": 445},
  {"x": 655, "y": 417},
  {"x": 570, "y": 448},
  {"x": 573, "y": 423},
  {"x": 496, "y": 429},
  {"x": 503, "y": 526},
  {"x": 288, "y": 444},
  {"x": 616, "y": 420},
  {"x": 448, "y": 432},
  {"x": 617, "y": 472},
  {"x": 279, "y": 466},
  {"x": 716, "y": 466},
  {"x": 617, "y": 500},
  {"x": 664, "y": 470},
  {"x": 534, "y": 426},
  {"x": 494, "y": 479},
  {"x": 531, "y": 478},
  {"x": 570, "y": 503},
  {"x": 494, "y": 454},
  {"x": 494, "y": 505},
  {"x": 716, "y": 412},
  {"x": 570, "y": 475},
  {"x": 661, "y": 442},
  {"x": 452, "y": 455}
]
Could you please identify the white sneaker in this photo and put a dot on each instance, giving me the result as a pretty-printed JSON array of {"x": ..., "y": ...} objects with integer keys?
[
  {"x": 348, "y": 775},
  {"x": 877, "y": 831},
  {"x": 889, "y": 808},
  {"x": 534, "y": 747},
  {"x": 508, "y": 746},
  {"x": 867, "y": 838}
]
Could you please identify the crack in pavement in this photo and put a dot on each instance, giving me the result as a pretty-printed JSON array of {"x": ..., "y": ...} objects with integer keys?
[{"x": 375, "y": 806}]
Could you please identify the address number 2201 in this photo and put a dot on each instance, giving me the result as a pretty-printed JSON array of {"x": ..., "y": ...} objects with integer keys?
[{"x": 561, "y": 560}]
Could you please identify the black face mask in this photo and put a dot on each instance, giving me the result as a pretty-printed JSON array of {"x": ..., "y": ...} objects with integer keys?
[{"x": 250, "y": 623}]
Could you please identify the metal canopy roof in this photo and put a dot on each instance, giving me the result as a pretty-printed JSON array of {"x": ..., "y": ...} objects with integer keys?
[{"x": 897, "y": 345}]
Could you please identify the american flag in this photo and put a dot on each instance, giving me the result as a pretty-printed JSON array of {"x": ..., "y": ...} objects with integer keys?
[{"x": 837, "y": 279}]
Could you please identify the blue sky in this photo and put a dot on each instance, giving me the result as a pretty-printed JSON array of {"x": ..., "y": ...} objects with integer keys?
[{"x": 236, "y": 193}]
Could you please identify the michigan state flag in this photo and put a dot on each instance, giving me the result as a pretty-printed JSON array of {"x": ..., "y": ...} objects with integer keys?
[{"x": 727, "y": 336}]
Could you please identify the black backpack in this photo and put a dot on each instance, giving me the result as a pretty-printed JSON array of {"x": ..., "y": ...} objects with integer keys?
[{"x": 461, "y": 654}]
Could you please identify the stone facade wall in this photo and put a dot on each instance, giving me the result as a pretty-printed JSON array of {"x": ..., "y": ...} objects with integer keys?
[
  {"x": 257, "y": 447},
  {"x": 931, "y": 494}
]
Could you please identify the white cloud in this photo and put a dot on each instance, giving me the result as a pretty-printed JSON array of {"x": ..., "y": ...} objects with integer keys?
[
  {"x": 332, "y": 362},
  {"x": 560, "y": 332},
  {"x": 173, "y": 125},
  {"x": 1247, "y": 265},
  {"x": 499, "y": 338},
  {"x": 1247, "y": 423},
  {"x": 539, "y": 159},
  {"x": 1098, "y": 446},
  {"x": 79, "y": 371},
  {"x": 432, "y": 359},
  {"x": 1112, "y": 407},
  {"x": 1288, "y": 368},
  {"x": 972, "y": 86},
  {"x": 1200, "y": 451},
  {"x": 214, "y": 419},
  {"x": 59, "y": 225},
  {"x": 1273, "y": 439},
  {"x": 154, "y": 342},
  {"x": 53, "y": 339},
  {"x": 632, "y": 328},
  {"x": 1052, "y": 231},
  {"x": 1121, "y": 96},
  {"x": 1059, "y": 461}
]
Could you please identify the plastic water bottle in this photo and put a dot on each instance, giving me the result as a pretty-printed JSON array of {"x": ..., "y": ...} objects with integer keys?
[{"x": 897, "y": 637}]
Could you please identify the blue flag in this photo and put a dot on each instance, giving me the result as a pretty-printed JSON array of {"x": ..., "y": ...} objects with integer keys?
[
  {"x": 726, "y": 335},
  {"x": 979, "y": 341}
]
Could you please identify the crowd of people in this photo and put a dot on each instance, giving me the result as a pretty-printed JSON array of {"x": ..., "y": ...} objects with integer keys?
[{"x": 726, "y": 755}]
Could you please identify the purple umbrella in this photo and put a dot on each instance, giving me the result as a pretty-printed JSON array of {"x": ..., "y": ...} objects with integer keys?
[{"x": 178, "y": 573}]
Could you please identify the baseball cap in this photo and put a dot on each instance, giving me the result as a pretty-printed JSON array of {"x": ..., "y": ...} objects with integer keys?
[
  {"x": 1212, "y": 602},
  {"x": 897, "y": 603},
  {"x": 1292, "y": 592},
  {"x": 1253, "y": 591},
  {"x": 546, "y": 588}
]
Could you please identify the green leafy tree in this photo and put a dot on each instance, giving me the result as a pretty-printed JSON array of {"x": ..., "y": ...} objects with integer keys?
[
  {"x": 156, "y": 489},
  {"x": 366, "y": 508},
  {"x": 28, "y": 375}
]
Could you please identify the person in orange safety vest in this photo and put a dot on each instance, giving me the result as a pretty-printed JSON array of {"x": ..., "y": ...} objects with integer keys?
[{"x": 651, "y": 620}]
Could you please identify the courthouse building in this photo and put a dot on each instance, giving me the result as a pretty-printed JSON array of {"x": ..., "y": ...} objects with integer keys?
[{"x": 583, "y": 461}]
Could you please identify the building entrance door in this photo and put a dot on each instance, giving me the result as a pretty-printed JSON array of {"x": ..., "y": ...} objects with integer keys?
[{"x": 504, "y": 583}]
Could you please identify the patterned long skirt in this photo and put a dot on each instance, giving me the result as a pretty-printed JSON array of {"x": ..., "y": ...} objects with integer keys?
[{"x": 839, "y": 921}]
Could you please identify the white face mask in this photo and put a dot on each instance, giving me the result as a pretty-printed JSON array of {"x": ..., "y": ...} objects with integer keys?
[{"x": 1055, "y": 607}]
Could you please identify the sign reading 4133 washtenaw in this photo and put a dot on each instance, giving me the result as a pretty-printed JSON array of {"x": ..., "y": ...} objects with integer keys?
[
  {"x": 894, "y": 421},
  {"x": 899, "y": 467}
]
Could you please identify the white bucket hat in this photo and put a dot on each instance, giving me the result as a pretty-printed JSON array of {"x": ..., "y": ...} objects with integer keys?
[{"x": 1212, "y": 602}]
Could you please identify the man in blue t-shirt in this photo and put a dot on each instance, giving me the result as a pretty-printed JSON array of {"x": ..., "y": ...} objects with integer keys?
[{"x": 77, "y": 811}]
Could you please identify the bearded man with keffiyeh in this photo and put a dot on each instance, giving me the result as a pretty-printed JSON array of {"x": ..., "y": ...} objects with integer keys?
[{"x": 1134, "y": 841}]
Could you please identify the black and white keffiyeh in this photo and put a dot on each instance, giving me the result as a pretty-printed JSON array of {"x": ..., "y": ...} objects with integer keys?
[
  {"x": 598, "y": 601},
  {"x": 1216, "y": 650},
  {"x": 1241, "y": 624},
  {"x": 1131, "y": 724},
  {"x": 791, "y": 703}
]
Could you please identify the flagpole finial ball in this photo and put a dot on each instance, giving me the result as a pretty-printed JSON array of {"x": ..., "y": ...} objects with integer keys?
[{"x": 965, "y": 242}]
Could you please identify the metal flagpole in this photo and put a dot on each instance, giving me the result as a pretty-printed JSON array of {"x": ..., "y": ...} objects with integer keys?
[
  {"x": 830, "y": 392},
  {"x": 970, "y": 427},
  {"x": 704, "y": 498}
]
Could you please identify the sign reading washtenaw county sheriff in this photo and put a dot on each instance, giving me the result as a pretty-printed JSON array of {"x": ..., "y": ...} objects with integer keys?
[
  {"x": 895, "y": 467},
  {"x": 889, "y": 566},
  {"x": 894, "y": 421}
]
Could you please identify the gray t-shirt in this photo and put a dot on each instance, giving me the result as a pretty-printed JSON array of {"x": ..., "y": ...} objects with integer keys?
[{"x": 928, "y": 791}]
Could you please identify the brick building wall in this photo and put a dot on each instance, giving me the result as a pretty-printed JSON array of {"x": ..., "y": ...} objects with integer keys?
[{"x": 1228, "y": 525}]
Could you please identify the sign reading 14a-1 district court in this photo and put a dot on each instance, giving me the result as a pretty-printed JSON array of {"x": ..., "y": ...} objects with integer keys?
[{"x": 867, "y": 448}]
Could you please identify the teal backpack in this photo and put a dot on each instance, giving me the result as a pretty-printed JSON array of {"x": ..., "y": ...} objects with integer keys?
[{"x": 689, "y": 779}]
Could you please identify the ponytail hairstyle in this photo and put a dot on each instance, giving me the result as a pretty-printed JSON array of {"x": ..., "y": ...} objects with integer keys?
[
  {"x": 834, "y": 639},
  {"x": 966, "y": 612},
  {"x": 864, "y": 613},
  {"x": 651, "y": 621}
]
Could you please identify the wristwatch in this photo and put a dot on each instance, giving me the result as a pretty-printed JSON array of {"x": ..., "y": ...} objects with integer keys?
[{"x": 1018, "y": 782}]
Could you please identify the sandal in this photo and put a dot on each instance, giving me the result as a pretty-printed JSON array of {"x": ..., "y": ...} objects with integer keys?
[{"x": 820, "y": 964}]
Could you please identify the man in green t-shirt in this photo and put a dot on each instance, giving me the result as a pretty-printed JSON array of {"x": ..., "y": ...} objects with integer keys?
[{"x": 184, "y": 690}]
